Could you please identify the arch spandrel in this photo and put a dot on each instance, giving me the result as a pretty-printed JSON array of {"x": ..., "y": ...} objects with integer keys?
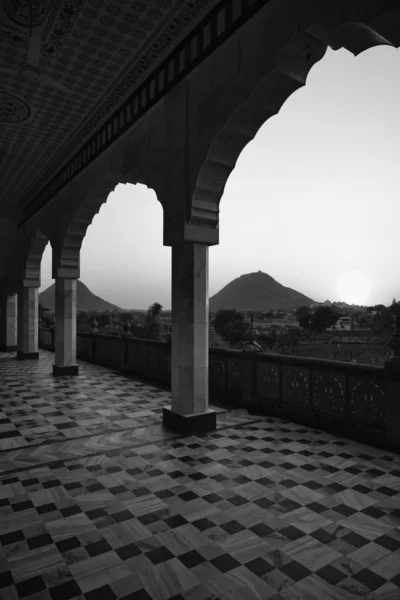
[{"x": 267, "y": 94}]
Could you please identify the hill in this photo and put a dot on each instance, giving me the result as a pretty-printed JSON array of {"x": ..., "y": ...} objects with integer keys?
[
  {"x": 86, "y": 300},
  {"x": 257, "y": 291}
]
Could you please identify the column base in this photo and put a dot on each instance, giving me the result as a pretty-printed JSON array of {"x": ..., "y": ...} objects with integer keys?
[
  {"x": 196, "y": 423},
  {"x": 27, "y": 355},
  {"x": 8, "y": 348},
  {"x": 71, "y": 370}
]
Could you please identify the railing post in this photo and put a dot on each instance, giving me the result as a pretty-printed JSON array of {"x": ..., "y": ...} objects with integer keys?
[
  {"x": 226, "y": 376},
  {"x": 126, "y": 350},
  {"x": 253, "y": 385},
  {"x": 392, "y": 373}
]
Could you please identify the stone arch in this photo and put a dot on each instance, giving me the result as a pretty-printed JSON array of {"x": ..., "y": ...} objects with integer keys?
[
  {"x": 294, "y": 62},
  {"x": 78, "y": 215},
  {"x": 34, "y": 252}
]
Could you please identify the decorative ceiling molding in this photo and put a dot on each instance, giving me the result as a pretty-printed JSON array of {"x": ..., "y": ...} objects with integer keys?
[
  {"x": 19, "y": 11},
  {"x": 213, "y": 30},
  {"x": 99, "y": 49},
  {"x": 13, "y": 109}
]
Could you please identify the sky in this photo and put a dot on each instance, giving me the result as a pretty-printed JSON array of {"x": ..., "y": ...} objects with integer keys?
[{"x": 312, "y": 201}]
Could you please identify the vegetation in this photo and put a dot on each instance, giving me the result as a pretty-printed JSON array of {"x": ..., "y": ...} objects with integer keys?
[
  {"x": 152, "y": 325},
  {"x": 317, "y": 321},
  {"x": 46, "y": 316},
  {"x": 229, "y": 324}
]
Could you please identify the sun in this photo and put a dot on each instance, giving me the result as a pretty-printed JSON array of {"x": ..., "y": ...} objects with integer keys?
[{"x": 353, "y": 287}]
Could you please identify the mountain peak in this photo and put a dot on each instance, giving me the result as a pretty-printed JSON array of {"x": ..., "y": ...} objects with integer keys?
[
  {"x": 86, "y": 300},
  {"x": 257, "y": 291}
]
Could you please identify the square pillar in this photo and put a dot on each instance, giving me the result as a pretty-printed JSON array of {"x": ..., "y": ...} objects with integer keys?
[
  {"x": 189, "y": 411},
  {"x": 65, "y": 327},
  {"x": 28, "y": 322},
  {"x": 8, "y": 322}
]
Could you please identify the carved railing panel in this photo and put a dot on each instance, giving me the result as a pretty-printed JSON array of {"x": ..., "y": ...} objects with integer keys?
[
  {"x": 84, "y": 347},
  {"x": 45, "y": 338},
  {"x": 164, "y": 364},
  {"x": 367, "y": 399},
  {"x": 217, "y": 371},
  {"x": 268, "y": 381},
  {"x": 329, "y": 392},
  {"x": 141, "y": 356},
  {"x": 296, "y": 387},
  {"x": 109, "y": 351},
  {"x": 152, "y": 358},
  {"x": 237, "y": 373}
]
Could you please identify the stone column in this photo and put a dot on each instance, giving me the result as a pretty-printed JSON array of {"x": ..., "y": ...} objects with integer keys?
[
  {"x": 8, "y": 322},
  {"x": 28, "y": 320},
  {"x": 65, "y": 327},
  {"x": 189, "y": 411}
]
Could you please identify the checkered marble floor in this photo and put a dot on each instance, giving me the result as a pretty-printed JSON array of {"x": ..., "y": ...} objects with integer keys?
[{"x": 98, "y": 501}]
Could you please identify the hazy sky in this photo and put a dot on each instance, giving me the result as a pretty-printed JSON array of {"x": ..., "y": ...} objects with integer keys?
[{"x": 313, "y": 200}]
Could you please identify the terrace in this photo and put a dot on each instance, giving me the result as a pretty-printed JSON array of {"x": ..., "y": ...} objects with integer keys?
[
  {"x": 99, "y": 500},
  {"x": 111, "y": 487}
]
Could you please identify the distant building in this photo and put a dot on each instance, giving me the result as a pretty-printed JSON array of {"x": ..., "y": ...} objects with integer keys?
[{"x": 342, "y": 324}]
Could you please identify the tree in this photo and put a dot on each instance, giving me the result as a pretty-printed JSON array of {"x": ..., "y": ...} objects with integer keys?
[
  {"x": 318, "y": 321},
  {"x": 224, "y": 316},
  {"x": 152, "y": 327},
  {"x": 324, "y": 317},
  {"x": 382, "y": 325},
  {"x": 42, "y": 311},
  {"x": 229, "y": 324},
  {"x": 302, "y": 315},
  {"x": 48, "y": 318},
  {"x": 234, "y": 333}
]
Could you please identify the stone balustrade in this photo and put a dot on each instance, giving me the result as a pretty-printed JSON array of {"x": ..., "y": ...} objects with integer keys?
[{"x": 345, "y": 399}]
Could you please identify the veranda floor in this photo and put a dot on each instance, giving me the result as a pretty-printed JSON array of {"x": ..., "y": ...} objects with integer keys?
[{"x": 98, "y": 501}]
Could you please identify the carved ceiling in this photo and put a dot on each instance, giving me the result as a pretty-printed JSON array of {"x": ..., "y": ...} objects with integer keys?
[{"x": 65, "y": 65}]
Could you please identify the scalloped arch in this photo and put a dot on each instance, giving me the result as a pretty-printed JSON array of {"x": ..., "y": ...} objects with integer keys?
[
  {"x": 294, "y": 63},
  {"x": 36, "y": 246},
  {"x": 78, "y": 219}
]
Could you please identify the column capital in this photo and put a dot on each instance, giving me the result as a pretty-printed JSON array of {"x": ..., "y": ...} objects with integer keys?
[
  {"x": 30, "y": 283},
  {"x": 176, "y": 232},
  {"x": 66, "y": 273}
]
